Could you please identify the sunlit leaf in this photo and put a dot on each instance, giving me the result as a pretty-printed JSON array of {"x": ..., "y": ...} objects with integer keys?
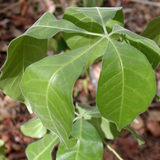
[
  {"x": 100, "y": 15},
  {"x": 126, "y": 85},
  {"x": 42, "y": 149},
  {"x": 47, "y": 26},
  {"x": 145, "y": 45},
  {"x": 22, "y": 52},
  {"x": 88, "y": 147},
  {"x": 48, "y": 86},
  {"x": 29, "y": 48},
  {"x": 96, "y": 21},
  {"x": 33, "y": 128},
  {"x": 125, "y": 89}
]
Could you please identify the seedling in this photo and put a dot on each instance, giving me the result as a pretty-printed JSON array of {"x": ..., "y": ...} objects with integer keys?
[{"x": 126, "y": 85}]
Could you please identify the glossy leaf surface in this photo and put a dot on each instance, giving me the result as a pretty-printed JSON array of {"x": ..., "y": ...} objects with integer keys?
[
  {"x": 96, "y": 18},
  {"x": 33, "y": 128},
  {"x": 26, "y": 50},
  {"x": 22, "y": 52},
  {"x": 89, "y": 146},
  {"x": 47, "y": 26},
  {"x": 42, "y": 149},
  {"x": 48, "y": 86},
  {"x": 126, "y": 85},
  {"x": 96, "y": 21},
  {"x": 145, "y": 45},
  {"x": 153, "y": 30}
]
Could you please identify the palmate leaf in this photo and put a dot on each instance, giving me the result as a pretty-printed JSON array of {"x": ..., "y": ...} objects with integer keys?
[
  {"x": 96, "y": 20},
  {"x": 33, "y": 128},
  {"x": 42, "y": 149},
  {"x": 145, "y": 45},
  {"x": 89, "y": 146},
  {"x": 153, "y": 30},
  {"x": 126, "y": 85},
  {"x": 48, "y": 85},
  {"x": 29, "y": 48}
]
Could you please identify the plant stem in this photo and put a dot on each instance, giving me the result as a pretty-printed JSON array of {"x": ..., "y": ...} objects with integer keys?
[
  {"x": 111, "y": 149},
  {"x": 157, "y": 97}
]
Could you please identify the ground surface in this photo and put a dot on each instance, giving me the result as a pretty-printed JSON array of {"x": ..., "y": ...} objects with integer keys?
[{"x": 15, "y": 18}]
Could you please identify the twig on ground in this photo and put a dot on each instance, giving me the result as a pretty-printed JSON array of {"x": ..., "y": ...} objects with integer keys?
[
  {"x": 11, "y": 6},
  {"x": 156, "y": 4}
]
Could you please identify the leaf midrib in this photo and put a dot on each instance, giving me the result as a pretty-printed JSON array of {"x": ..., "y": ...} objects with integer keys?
[
  {"x": 64, "y": 29},
  {"x": 49, "y": 84},
  {"x": 104, "y": 27},
  {"x": 45, "y": 148},
  {"x": 80, "y": 136},
  {"x": 71, "y": 61},
  {"x": 122, "y": 70}
]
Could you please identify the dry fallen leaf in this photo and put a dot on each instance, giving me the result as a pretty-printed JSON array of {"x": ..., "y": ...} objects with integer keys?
[
  {"x": 153, "y": 126},
  {"x": 138, "y": 123}
]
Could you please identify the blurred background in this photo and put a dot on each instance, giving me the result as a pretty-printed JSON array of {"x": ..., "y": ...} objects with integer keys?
[{"x": 16, "y": 16}]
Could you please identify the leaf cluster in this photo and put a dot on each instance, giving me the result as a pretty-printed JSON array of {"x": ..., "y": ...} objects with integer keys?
[{"x": 125, "y": 88}]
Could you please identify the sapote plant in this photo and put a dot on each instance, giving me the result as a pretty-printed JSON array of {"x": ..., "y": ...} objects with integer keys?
[{"x": 126, "y": 85}]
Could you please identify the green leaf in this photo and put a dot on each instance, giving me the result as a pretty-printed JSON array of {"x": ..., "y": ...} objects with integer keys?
[
  {"x": 145, "y": 45},
  {"x": 22, "y": 51},
  {"x": 2, "y": 147},
  {"x": 126, "y": 85},
  {"x": 87, "y": 111},
  {"x": 48, "y": 86},
  {"x": 153, "y": 30},
  {"x": 33, "y": 128},
  {"x": 89, "y": 146},
  {"x": 29, "y": 48},
  {"x": 98, "y": 14},
  {"x": 2, "y": 150},
  {"x": 91, "y": 3},
  {"x": 47, "y": 26},
  {"x": 26, "y": 50},
  {"x": 42, "y": 149},
  {"x": 104, "y": 127},
  {"x": 93, "y": 112},
  {"x": 118, "y": 19},
  {"x": 94, "y": 20},
  {"x": 139, "y": 139}
]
